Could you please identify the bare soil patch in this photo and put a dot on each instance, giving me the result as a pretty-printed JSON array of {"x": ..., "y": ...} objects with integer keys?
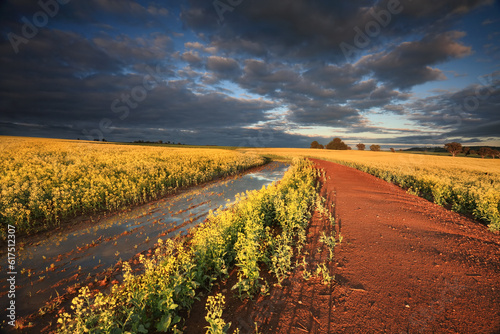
[{"x": 405, "y": 265}]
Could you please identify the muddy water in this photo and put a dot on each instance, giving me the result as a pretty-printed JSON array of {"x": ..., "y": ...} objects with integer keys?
[{"x": 51, "y": 266}]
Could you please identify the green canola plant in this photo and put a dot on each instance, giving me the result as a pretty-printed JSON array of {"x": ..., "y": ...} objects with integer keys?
[{"x": 263, "y": 227}]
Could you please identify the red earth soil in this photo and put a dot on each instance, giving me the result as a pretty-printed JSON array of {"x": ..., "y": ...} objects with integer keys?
[{"x": 405, "y": 265}]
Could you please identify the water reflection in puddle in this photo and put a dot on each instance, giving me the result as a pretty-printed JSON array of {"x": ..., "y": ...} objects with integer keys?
[{"x": 68, "y": 258}]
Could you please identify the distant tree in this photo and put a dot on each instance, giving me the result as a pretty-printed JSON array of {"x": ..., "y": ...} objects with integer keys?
[
  {"x": 336, "y": 144},
  {"x": 493, "y": 153},
  {"x": 483, "y": 152},
  {"x": 349, "y": 148},
  {"x": 473, "y": 152},
  {"x": 315, "y": 144},
  {"x": 104, "y": 139},
  {"x": 454, "y": 148},
  {"x": 466, "y": 151},
  {"x": 160, "y": 141},
  {"x": 393, "y": 150},
  {"x": 361, "y": 147},
  {"x": 375, "y": 147}
]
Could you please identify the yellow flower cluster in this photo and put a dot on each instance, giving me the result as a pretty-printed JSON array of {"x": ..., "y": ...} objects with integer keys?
[
  {"x": 155, "y": 300},
  {"x": 43, "y": 181}
]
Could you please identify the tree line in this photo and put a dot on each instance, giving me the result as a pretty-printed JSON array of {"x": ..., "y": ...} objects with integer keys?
[
  {"x": 338, "y": 144},
  {"x": 456, "y": 148}
]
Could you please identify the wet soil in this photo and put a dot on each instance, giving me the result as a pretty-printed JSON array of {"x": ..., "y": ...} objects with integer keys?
[{"x": 405, "y": 265}]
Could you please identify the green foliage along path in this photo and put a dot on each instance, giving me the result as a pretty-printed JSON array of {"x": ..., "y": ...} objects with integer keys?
[{"x": 261, "y": 228}]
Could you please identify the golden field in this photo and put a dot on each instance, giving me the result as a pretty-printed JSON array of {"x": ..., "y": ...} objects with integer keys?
[
  {"x": 466, "y": 185},
  {"x": 266, "y": 226},
  {"x": 43, "y": 181}
]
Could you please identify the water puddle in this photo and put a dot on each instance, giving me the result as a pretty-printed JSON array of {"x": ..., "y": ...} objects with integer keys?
[{"x": 64, "y": 259}]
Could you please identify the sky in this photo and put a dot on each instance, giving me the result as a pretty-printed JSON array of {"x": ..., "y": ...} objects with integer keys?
[{"x": 257, "y": 73}]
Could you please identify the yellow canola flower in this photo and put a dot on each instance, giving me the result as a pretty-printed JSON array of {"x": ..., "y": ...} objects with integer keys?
[{"x": 44, "y": 181}]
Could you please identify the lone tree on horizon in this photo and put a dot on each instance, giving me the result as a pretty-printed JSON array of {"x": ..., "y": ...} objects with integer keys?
[
  {"x": 375, "y": 147},
  {"x": 337, "y": 144},
  {"x": 454, "y": 148},
  {"x": 361, "y": 147}
]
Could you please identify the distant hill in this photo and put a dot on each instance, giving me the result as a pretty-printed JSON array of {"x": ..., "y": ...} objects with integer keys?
[{"x": 426, "y": 149}]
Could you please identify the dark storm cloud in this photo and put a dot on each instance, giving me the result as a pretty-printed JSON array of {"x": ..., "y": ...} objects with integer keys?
[
  {"x": 171, "y": 105},
  {"x": 379, "y": 97},
  {"x": 331, "y": 115},
  {"x": 315, "y": 97},
  {"x": 476, "y": 130},
  {"x": 335, "y": 76},
  {"x": 140, "y": 49},
  {"x": 223, "y": 68},
  {"x": 294, "y": 30},
  {"x": 281, "y": 81},
  {"x": 409, "y": 63},
  {"x": 301, "y": 28},
  {"x": 263, "y": 78},
  {"x": 349, "y": 85},
  {"x": 287, "y": 28},
  {"x": 175, "y": 106},
  {"x": 257, "y": 72},
  {"x": 55, "y": 53},
  {"x": 222, "y": 64},
  {"x": 469, "y": 112},
  {"x": 89, "y": 11},
  {"x": 71, "y": 90},
  {"x": 97, "y": 58},
  {"x": 438, "y": 9}
]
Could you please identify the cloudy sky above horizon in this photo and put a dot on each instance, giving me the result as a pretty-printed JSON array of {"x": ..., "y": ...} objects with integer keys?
[{"x": 275, "y": 73}]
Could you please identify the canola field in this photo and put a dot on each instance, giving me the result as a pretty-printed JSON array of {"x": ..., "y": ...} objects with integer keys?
[
  {"x": 45, "y": 181},
  {"x": 264, "y": 227},
  {"x": 466, "y": 185}
]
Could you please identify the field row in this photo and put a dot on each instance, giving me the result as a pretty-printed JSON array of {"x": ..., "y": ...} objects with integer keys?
[
  {"x": 44, "y": 181},
  {"x": 264, "y": 226},
  {"x": 465, "y": 185}
]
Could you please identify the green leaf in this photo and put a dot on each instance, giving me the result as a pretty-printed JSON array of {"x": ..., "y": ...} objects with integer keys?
[{"x": 164, "y": 323}]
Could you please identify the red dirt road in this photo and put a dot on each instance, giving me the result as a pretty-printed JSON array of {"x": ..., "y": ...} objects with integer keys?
[{"x": 405, "y": 266}]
